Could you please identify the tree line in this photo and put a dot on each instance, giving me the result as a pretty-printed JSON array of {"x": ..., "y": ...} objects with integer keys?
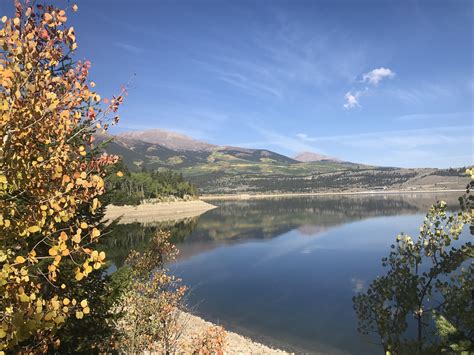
[{"x": 130, "y": 188}]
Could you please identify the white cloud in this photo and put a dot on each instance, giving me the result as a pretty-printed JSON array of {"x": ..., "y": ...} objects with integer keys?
[
  {"x": 352, "y": 99},
  {"x": 302, "y": 136},
  {"x": 129, "y": 47},
  {"x": 375, "y": 76}
]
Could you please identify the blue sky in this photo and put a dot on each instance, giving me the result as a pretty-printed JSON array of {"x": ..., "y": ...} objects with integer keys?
[{"x": 380, "y": 82}]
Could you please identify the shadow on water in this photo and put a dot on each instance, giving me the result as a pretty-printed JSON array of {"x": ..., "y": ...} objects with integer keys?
[{"x": 284, "y": 271}]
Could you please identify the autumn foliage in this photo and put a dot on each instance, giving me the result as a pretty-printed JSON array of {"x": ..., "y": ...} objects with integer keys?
[
  {"x": 50, "y": 176},
  {"x": 151, "y": 303}
]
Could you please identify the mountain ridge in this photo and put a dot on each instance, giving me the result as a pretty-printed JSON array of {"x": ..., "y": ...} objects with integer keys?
[{"x": 227, "y": 169}]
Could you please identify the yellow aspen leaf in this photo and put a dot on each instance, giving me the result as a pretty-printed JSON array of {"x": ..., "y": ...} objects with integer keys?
[
  {"x": 20, "y": 260},
  {"x": 95, "y": 202},
  {"x": 48, "y": 316},
  {"x": 75, "y": 7},
  {"x": 95, "y": 233},
  {"x": 84, "y": 303},
  {"x": 66, "y": 301},
  {"x": 4, "y": 19},
  {"x": 34, "y": 229},
  {"x": 55, "y": 304},
  {"x": 63, "y": 236},
  {"x": 3, "y": 334},
  {"x": 53, "y": 251},
  {"x": 79, "y": 276},
  {"x": 79, "y": 315},
  {"x": 76, "y": 238},
  {"x": 86, "y": 310},
  {"x": 119, "y": 174},
  {"x": 23, "y": 298},
  {"x": 16, "y": 21},
  {"x": 47, "y": 17},
  {"x": 84, "y": 225}
]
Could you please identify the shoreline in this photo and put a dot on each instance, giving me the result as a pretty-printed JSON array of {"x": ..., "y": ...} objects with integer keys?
[
  {"x": 234, "y": 342},
  {"x": 333, "y": 193},
  {"x": 157, "y": 212}
]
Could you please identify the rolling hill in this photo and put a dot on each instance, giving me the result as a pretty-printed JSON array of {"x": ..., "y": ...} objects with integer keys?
[{"x": 227, "y": 169}]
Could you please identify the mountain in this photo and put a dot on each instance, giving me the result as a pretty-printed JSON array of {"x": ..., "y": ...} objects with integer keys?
[
  {"x": 170, "y": 140},
  {"x": 227, "y": 169},
  {"x": 308, "y": 157}
]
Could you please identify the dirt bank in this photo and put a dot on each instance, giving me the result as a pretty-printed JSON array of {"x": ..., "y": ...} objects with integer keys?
[{"x": 158, "y": 212}]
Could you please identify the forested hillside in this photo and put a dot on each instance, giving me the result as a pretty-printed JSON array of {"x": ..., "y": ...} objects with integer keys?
[{"x": 224, "y": 170}]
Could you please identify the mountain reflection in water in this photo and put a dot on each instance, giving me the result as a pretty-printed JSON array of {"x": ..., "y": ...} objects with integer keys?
[{"x": 284, "y": 271}]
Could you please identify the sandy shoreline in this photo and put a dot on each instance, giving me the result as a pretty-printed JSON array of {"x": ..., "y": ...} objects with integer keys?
[
  {"x": 309, "y": 194},
  {"x": 158, "y": 212},
  {"x": 234, "y": 343}
]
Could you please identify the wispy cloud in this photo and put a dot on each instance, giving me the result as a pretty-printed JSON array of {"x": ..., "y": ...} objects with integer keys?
[
  {"x": 129, "y": 47},
  {"x": 424, "y": 92},
  {"x": 403, "y": 139},
  {"x": 375, "y": 76},
  {"x": 273, "y": 139},
  {"x": 438, "y": 146},
  {"x": 435, "y": 116},
  {"x": 285, "y": 61}
]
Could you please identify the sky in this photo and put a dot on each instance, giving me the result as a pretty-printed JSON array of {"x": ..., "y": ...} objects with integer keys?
[{"x": 379, "y": 82}]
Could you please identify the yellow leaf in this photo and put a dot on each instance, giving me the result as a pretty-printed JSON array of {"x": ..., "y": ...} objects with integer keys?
[
  {"x": 119, "y": 174},
  {"x": 20, "y": 260},
  {"x": 76, "y": 238},
  {"x": 53, "y": 251},
  {"x": 84, "y": 303},
  {"x": 95, "y": 233},
  {"x": 23, "y": 297},
  {"x": 79, "y": 315},
  {"x": 84, "y": 225},
  {"x": 4, "y": 19},
  {"x": 34, "y": 229}
]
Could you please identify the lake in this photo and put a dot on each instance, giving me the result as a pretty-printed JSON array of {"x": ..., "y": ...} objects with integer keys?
[{"x": 284, "y": 271}]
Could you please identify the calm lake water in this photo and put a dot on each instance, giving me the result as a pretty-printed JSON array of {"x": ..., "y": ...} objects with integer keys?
[{"x": 284, "y": 271}]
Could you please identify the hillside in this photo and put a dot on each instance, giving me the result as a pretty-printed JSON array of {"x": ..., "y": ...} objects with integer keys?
[
  {"x": 309, "y": 157},
  {"x": 217, "y": 170}
]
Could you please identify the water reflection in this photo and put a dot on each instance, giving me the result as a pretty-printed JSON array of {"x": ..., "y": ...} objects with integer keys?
[{"x": 284, "y": 271}]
